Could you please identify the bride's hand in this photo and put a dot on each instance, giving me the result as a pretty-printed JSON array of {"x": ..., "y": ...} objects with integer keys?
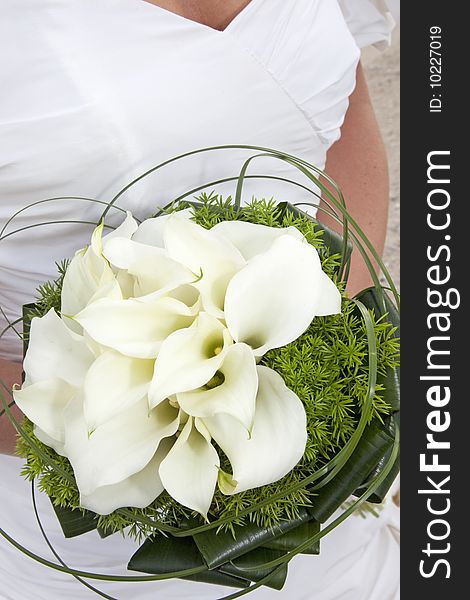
[{"x": 10, "y": 373}]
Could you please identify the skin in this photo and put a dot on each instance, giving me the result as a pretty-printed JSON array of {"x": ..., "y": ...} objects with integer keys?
[
  {"x": 357, "y": 162},
  {"x": 216, "y": 14}
]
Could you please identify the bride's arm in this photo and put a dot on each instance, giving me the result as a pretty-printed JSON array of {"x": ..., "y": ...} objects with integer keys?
[
  {"x": 358, "y": 164},
  {"x": 10, "y": 373}
]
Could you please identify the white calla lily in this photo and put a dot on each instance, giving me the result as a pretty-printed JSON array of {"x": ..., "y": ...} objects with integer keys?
[
  {"x": 126, "y": 283},
  {"x": 329, "y": 299},
  {"x": 189, "y": 471},
  {"x": 89, "y": 271},
  {"x": 125, "y": 231},
  {"x": 44, "y": 403},
  {"x": 207, "y": 254},
  {"x": 274, "y": 298},
  {"x": 56, "y": 350},
  {"x": 252, "y": 239},
  {"x": 114, "y": 383},
  {"x": 111, "y": 291},
  {"x": 150, "y": 231},
  {"x": 277, "y": 440},
  {"x": 138, "y": 490},
  {"x": 152, "y": 268},
  {"x": 189, "y": 358},
  {"x": 85, "y": 275},
  {"x": 134, "y": 327},
  {"x": 121, "y": 447},
  {"x": 233, "y": 391},
  {"x": 42, "y": 436}
]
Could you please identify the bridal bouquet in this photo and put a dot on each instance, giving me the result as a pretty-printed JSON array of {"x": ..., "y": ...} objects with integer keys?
[{"x": 202, "y": 382}]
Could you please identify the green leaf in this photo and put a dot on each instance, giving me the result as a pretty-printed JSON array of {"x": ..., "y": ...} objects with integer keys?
[
  {"x": 75, "y": 522},
  {"x": 373, "y": 445},
  {"x": 162, "y": 555},
  {"x": 219, "y": 548},
  {"x": 371, "y": 299},
  {"x": 258, "y": 556},
  {"x": 391, "y": 383},
  {"x": 290, "y": 540},
  {"x": 379, "y": 494},
  {"x": 104, "y": 533}
]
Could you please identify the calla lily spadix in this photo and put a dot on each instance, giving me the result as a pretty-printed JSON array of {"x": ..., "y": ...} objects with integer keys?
[{"x": 152, "y": 364}]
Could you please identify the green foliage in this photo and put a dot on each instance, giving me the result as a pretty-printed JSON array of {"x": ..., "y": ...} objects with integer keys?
[{"x": 327, "y": 367}]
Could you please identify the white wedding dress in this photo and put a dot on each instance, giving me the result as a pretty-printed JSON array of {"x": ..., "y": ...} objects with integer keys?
[{"x": 94, "y": 93}]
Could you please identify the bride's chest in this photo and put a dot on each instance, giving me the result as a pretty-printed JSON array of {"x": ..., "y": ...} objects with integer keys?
[
  {"x": 97, "y": 93},
  {"x": 88, "y": 113}
]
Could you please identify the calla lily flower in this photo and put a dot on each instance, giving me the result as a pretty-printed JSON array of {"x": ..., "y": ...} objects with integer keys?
[
  {"x": 56, "y": 364},
  {"x": 150, "y": 231},
  {"x": 189, "y": 471},
  {"x": 134, "y": 327},
  {"x": 189, "y": 358},
  {"x": 274, "y": 298},
  {"x": 153, "y": 270},
  {"x": 114, "y": 383},
  {"x": 212, "y": 256},
  {"x": 138, "y": 490},
  {"x": 89, "y": 271},
  {"x": 118, "y": 449},
  {"x": 277, "y": 440},
  {"x": 232, "y": 390},
  {"x": 54, "y": 349},
  {"x": 252, "y": 239}
]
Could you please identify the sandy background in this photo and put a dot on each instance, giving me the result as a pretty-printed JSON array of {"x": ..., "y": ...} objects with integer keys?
[{"x": 383, "y": 75}]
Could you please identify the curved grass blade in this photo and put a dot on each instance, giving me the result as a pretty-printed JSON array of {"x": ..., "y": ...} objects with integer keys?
[
  {"x": 54, "y": 552},
  {"x": 391, "y": 394}
]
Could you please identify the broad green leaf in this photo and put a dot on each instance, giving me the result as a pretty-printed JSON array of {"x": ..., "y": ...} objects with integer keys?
[
  {"x": 379, "y": 495},
  {"x": 75, "y": 522},
  {"x": 104, "y": 533},
  {"x": 243, "y": 567},
  {"x": 373, "y": 445},
  {"x": 290, "y": 540},
  {"x": 219, "y": 548},
  {"x": 162, "y": 555},
  {"x": 391, "y": 394}
]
